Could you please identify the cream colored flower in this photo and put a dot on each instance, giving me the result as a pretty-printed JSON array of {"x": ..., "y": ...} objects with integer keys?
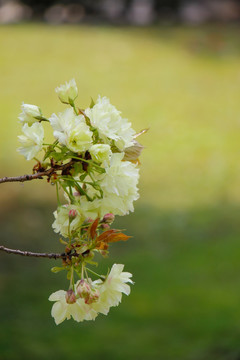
[
  {"x": 61, "y": 310},
  {"x": 31, "y": 141},
  {"x": 119, "y": 189},
  {"x": 71, "y": 130},
  {"x": 62, "y": 123},
  {"x": 98, "y": 296},
  {"x": 79, "y": 137},
  {"x": 119, "y": 185},
  {"x": 100, "y": 152},
  {"x": 29, "y": 114},
  {"x": 109, "y": 123},
  {"x": 68, "y": 92},
  {"x": 112, "y": 288}
]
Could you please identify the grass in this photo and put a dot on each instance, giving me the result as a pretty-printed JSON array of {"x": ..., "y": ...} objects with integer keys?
[{"x": 183, "y": 84}]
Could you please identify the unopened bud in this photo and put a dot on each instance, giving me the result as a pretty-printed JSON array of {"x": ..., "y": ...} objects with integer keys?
[
  {"x": 70, "y": 297},
  {"x": 76, "y": 193},
  {"x": 93, "y": 297},
  {"x": 83, "y": 289},
  {"x": 68, "y": 92},
  {"x": 72, "y": 214},
  {"x": 108, "y": 218},
  {"x": 105, "y": 226},
  {"x": 88, "y": 221}
]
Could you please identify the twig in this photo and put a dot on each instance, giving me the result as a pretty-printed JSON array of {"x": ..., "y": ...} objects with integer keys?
[
  {"x": 24, "y": 177},
  {"x": 42, "y": 255},
  {"x": 32, "y": 254},
  {"x": 38, "y": 175}
]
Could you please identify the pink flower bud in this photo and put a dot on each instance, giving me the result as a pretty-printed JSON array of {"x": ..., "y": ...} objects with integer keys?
[
  {"x": 108, "y": 218},
  {"x": 72, "y": 214},
  {"x": 70, "y": 297},
  {"x": 105, "y": 226},
  {"x": 76, "y": 193},
  {"x": 93, "y": 296},
  {"x": 83, "y": 289},
  {"x": 88, "y": 220}
]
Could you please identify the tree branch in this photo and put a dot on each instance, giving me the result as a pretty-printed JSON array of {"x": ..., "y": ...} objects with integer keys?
[
  {"x": 24, "y": 177},
  {"x": 55, "y": 256},
  {"x": 32, "y": 254},
  {"x": 38, "y": 175}
]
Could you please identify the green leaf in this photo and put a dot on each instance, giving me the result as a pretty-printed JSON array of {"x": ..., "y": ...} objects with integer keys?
[
  {"x": 92, "y": 103},
  {"x": 56, "y": 156},
  {"x": 83, "y": 176},
  {"x": 77, "y": 168}
]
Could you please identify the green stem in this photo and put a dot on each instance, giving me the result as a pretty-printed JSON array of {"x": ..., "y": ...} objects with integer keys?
[
  {"x": 71, "y": 102},
  {"x": 88, "y": 161},
  {"x": 43, "y": 119},
  {"x": 68, "y": 193},
  {"x": 57, "y": 191},
  {"x": 71, "y": 286},
  {"x": 69, "y": 232},
  {"x": 82, "y": 192},
  {"x": 96, "y": 274}
]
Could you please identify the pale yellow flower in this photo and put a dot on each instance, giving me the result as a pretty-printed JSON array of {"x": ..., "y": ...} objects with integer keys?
[
  {"x": 109, "y": 123},
  {"x": 29, "y": 114},
  {"x": 67, "y": 92},
  {"x": 100, "y": 152},
  {"x": 31, "y": 141},
  {"x": 61, "y": 310}
]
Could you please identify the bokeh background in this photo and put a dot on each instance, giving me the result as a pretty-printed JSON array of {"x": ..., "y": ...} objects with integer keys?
[{"x": 171, "y": 66}]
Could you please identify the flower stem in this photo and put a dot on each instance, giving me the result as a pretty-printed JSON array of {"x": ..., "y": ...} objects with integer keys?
[{"x": 96, "y": 274}]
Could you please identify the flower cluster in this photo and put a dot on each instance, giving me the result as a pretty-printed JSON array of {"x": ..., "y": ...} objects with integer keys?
[
  {"x": 93, "y": 158},
  {"x": 89, "y": 298}
]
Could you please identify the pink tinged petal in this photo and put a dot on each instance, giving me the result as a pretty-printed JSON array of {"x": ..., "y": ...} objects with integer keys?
[{"x": 91, "y": 315}]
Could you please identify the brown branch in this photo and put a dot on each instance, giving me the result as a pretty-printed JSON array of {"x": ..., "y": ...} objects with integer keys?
[
  {"x": 38, "y": 175},
  {"x": 24, "y": 177},
  {"x": 55, "y": 256},
  {"x": 32, "y": 254}
]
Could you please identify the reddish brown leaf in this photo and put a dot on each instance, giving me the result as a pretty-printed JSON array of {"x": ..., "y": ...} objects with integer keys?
[
  {"x": 93, "y": 228},
  {"x": 111, "y": 236},
  {"x": 102, "y": 246},
  {"x": 103, "y": 237},
  {"x": 118, "y": 237}
]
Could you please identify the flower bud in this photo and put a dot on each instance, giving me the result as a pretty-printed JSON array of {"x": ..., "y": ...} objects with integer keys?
[
  {"x": 105, "y": 226},
  {"x": 76, "y": 193},
  {"x": 29, "y": 114},
  {"x": 88, "y": 221},
  {"x": 108, "y": 218},
  {"x": 93, "y": 297},
  {"x": 83, "y": 289},
  {"x": 68, "y": 92},
  {"x": 72, "y": 214},
  {"x": 70, "y": 297}
]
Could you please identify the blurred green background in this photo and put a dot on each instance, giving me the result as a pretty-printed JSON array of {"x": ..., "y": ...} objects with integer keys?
[{"x": 183, "y": 83}]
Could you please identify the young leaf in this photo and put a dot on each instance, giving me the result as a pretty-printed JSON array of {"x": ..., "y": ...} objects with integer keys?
[
  {"x": 93, "y": 228},
  {"x": 92, "y": 103}
]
